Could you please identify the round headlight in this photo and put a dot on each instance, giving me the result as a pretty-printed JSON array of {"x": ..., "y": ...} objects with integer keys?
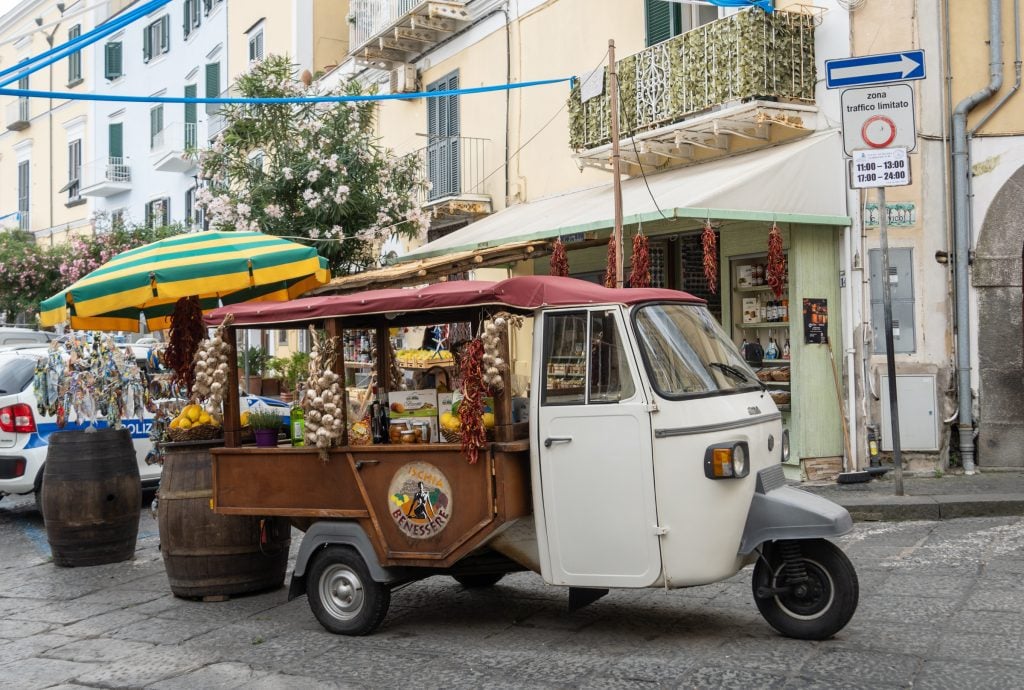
[
  {"x": 739, "y": 460},
  {"x": 785, "y": 445}
]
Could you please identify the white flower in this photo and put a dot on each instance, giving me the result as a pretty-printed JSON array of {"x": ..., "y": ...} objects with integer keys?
[
  {"x": 287, "y": 173},
  {"x": 274, "y": 211},
  {"x": 313, "y": 175},
  {"x": 336, "y": 231},
  {"x": 314, "y": 233},
  {"x": 243, "y": 210},
  {"x": 332, "y": 163}
]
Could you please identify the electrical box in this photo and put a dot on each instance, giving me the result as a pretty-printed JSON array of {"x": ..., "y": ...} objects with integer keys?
[
  {"x": 918, "y": 406},
  {"x": 403, "y": 79},
  {"x": 901, "y": 287}
]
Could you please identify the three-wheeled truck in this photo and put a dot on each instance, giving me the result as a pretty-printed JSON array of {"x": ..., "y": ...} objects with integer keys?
[{"x": 651, "y": 458}]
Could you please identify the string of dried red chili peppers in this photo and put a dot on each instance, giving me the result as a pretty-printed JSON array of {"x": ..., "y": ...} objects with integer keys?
[
  {"x": 775, "y": 271},
  {"x": 186, "y": 332},
  {"x": 559, "y": 260},
  {"x": 609, "y": 271},
  {"x": 640, "y": 272},
  {"x": 710, "y": 243},
  {"x": 471, "y": 409}
]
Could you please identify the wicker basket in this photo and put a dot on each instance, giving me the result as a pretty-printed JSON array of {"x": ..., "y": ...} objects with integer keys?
[
  {"x": 203, "y": 432},
  {"x": 456, "y": 436}
]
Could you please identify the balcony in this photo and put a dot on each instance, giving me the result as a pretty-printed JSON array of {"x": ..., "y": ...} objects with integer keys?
[
  {"x": 736, "y": 84},
  {"x": 385, "y": 33},
  {"x": 170, "y": 148},
  {"x": 18, "y": 114},
  {"x": 456, "y": 168},
  {"x": 106, "y": 177}
]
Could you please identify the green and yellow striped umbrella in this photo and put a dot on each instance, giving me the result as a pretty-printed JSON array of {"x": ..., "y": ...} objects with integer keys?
[{"x": 217, "y": 267}]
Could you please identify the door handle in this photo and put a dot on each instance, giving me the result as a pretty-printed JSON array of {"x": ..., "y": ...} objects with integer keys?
[{"x": 550, "y": 440}]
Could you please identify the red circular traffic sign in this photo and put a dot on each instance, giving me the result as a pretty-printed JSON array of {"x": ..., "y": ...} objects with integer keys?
[{"x": 878, "y": 131}]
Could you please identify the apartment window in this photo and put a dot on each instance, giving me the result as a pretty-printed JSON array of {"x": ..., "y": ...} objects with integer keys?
[
  {"x": 193, "y": 214},
  {"x": 23, "y": 191},
  {"x": 256, "y": 161},
  {"x": 667, "y": 19},
  {"x": 192, "y": 17},
  {"x": 443, "y": 139},
  {"x": 191, "y": 118},
  {"x": 256, "y": 46},
  {"x": 209, "y": 5},
  {"x": 23, "y": 104},
  {"x": 212, "y": 85},
  {"x": 75, "y": 59},
  {"x": 156, "y": 126},
  {"x": 158, "y": 213},
  {"x": 156, "y": 40},
  {"x": 74, "y": 170},
  {"x": 113, "y": 64},
  {"x": 117, "y": 219}
]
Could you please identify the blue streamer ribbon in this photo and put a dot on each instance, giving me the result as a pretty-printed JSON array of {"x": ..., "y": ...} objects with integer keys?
[{"x": 766, "y": 5}]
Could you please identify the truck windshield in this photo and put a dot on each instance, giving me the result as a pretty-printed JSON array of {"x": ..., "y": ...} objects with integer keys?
[{"x": 687, "y": 353}]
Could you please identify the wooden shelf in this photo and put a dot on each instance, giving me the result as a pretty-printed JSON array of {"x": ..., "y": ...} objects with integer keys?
[
  {"x": 776, "y": 361},
  {"x": 764, "y": 324},
  {"x": 758, "y": 288}
]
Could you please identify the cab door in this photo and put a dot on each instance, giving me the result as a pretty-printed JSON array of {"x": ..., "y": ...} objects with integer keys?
[{"x": 593, "y": 440}]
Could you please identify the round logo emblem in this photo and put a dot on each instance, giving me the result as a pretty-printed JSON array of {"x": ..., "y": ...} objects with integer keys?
[{"x": 420, "y": 500}]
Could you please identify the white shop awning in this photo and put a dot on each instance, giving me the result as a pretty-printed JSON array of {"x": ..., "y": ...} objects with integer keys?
[{"x": 799, "y": 182}]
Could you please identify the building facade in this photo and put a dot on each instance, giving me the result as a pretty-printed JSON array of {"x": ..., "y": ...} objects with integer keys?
[{"x": 43, "y": 142}]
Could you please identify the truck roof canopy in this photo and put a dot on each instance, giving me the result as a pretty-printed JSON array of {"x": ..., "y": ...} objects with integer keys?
[{"x": 525, "y": 293}]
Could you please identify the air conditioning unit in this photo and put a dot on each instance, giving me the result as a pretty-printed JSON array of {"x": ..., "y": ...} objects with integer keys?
[{"x": 403, "y": 79}]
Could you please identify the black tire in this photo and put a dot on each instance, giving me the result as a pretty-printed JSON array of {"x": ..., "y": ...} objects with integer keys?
[
  {"x": 823, "y": 606},
  {"x": 478, "y": 581},
  {"x": 342, "y": 595}
]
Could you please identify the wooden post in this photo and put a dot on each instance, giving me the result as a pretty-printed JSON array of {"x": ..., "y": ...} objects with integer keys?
[
  {"x": 383, "y": 360},
  {"x": 232, "y": 417},
  {"x": 613, "y": 101}
]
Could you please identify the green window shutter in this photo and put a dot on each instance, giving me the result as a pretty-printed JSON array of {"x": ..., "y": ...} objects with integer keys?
[
  {"x": 186, "y": 23},
  {"x": 112, "y": 68},
  {"x": 116, "y": 145},
  {"x": 147, "y": 43},
  {"x": 213, "y": 80},
  {"x": 663, "y": 20},
  {"x": 75, "y": 59},
  {"x": 190, "y": 108},
  {"x": 165, "y": 33},
  {"x": 156, "y": 123}
]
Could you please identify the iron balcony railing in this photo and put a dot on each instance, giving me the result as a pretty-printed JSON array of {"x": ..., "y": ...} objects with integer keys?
[
  {"x": 370, "y": 18},
  {"x": 177, "y": 136},
  {"x": 454, "y": 166},
  {"x": 110, "y": 169},
  {"x": 750, "y": 55}
]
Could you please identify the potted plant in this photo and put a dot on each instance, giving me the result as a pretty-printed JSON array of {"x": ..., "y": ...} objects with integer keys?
[
  {"x": 276, "y": 370},
  {"x": 256, "y": 358},
  {"x": 296, "y": 371},
  {"x": 266, "y": 426}
]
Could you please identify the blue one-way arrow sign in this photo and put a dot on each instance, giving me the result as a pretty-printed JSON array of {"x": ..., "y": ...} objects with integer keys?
[{"x": 874, "y": 69}]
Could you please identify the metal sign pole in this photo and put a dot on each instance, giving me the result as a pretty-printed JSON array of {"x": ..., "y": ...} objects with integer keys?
[{"x": 890, "y": 355}]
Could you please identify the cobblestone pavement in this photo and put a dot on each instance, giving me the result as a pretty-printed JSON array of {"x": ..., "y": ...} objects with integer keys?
[{"x": 941, "y": 606}]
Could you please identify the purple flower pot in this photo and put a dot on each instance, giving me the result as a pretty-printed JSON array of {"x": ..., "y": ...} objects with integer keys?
[{"x": 266, "y": 438}]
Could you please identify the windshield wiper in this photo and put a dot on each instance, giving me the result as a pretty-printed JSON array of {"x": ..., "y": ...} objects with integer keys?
[{"x": 731, "y": 370}]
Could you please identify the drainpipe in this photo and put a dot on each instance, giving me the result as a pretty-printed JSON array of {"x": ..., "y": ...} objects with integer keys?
[
  {"x": 962, "y": 233},
  {"x": 1016, "y": 70}
]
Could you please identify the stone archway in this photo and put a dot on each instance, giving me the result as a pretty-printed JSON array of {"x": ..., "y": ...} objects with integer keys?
[{"x": 997, "y": 279}]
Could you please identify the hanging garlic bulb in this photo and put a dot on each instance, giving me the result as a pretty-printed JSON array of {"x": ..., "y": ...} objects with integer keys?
[
  {"x": 323, "y": 404},
  {"x": 211, "y": 367}
]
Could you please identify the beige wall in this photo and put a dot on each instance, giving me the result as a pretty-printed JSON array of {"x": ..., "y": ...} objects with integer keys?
[
  {"x": 330, "y": 33},
  {"x": 552, "y": 41},
  {"x": 970, "y": 70},
  {"x": 46, "y": 131}
]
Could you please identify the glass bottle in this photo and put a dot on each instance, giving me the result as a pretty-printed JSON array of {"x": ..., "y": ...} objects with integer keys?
[
  {"x": 384, "y": 422},
  {"x": 376, "y": 433},
  {"x": 785, "y": 350},
  {"x": 297, "y": 422}
]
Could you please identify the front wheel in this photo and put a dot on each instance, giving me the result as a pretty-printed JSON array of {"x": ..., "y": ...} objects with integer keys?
[
  {"x": 343, "y": 596},
  {"x": 805, "y": 589}
]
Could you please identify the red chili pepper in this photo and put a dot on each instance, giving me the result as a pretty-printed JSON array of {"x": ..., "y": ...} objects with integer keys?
[
  {"x": 186, "y": 331},
  {"x": 471, "y": 409},
  {"x": 559, "y": 260},
  {"x": 640, "y": 273},
  {"x": 775, "y": 272},
  {"x": 710, "y": 243},
  {"x": 609, "y": 271}
]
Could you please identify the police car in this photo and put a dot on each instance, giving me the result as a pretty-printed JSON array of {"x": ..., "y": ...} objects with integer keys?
[{"x": 24, "y": 432}]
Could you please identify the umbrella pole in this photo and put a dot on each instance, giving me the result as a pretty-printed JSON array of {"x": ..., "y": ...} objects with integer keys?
[
  {"x": 232, "y": 417},
  {"x": 245, "y": 362}
]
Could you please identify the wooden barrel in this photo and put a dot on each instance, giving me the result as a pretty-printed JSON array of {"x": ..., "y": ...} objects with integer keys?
[
  {"x": 91, "y": 497},
  {"x": 210, "y": 555}
]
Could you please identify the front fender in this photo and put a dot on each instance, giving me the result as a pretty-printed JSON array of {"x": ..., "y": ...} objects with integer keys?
[
  {"x": 345, "y": 533},
  {"x": 785, "y": 512}
]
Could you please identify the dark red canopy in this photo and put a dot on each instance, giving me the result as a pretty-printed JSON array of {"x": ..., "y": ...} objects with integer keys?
[{"x": 522, "y": 293}]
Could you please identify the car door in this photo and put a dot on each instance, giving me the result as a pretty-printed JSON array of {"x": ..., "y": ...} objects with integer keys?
[{"x": 594, "y": 445}]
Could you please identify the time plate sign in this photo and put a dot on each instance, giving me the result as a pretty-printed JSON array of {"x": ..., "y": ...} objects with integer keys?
[{"x": 880, "y": 168}]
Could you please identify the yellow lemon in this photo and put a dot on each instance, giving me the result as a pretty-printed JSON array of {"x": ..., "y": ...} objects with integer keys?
[
  {"x": 446, "y": 419},
  {"x": 194, "y": 412},
  {"x": 488, "y": 420},
  {"x": 185, "y": 424},
  {"x": 204, "y": 418},
  {"x": 175, "y": 422},
  {"x": 245, "y": 418}
]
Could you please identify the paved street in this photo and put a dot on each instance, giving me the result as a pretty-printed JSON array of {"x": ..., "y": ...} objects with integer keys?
[{"x": 941, "y": 606}]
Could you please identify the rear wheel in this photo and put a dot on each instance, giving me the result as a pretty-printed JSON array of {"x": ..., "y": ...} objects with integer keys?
[
  {"x": 806, "y": 589},
  {"x": 478, "y": 581},
  {"x": 343, "y": 596}
]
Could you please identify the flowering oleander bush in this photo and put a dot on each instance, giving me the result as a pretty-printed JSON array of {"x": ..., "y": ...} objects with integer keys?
[
  {"x": 29, "y": 273},
  {"x": 310, "y": 171},
  {"x": 85, "y": 253}
]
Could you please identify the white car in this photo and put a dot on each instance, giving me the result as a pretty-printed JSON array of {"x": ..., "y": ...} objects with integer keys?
[{"x": 24, "y": 432}]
